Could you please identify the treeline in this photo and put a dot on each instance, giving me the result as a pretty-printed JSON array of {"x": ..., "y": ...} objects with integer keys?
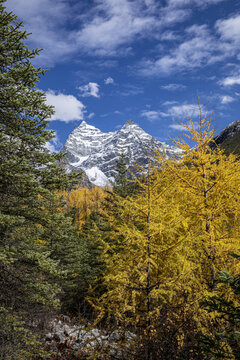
[{"x": 154, "y": 260}]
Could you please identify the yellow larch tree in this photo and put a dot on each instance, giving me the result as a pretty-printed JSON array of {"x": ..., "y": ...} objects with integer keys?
[
  {"x": 208, "y": 184},
  {"x": 145, "y": 264},
  {"x": 167, "y": 245},
  {"x": 83, "y": 201}
]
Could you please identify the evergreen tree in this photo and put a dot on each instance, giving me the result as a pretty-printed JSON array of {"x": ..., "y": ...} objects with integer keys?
[
  {"x": 122, "y": 185},
  {"x": 224, "y": 342},
  {"x": 28, "y": 178},
  {"x": 86, "y": 207}
]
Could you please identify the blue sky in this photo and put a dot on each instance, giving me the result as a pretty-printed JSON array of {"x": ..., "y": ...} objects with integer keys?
[{"x": 145, "y": 60}]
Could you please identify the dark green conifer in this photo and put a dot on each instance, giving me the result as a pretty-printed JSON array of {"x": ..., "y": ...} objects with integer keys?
[
  {"x": 121, "y": 177},
  {"x": 224, "y": 343},
  {"x": 29, "y": 175}
]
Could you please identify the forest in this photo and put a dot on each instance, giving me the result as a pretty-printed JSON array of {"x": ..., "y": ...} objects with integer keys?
[{"x": 148, "y": 269}]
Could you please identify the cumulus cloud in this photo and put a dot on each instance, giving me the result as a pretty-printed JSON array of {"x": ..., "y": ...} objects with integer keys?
[
  {"x": 109, "y": 80},
  {"x": 91, "y": 89},
  {"x": 227, "y": 99},
  {"x": 50, "y": 147},
  {"x": 231, "y": 80},
  {"x": 67, "y": 107},
  {"x": 229, "y": 29},
  {"x": 54, "y": 144}
]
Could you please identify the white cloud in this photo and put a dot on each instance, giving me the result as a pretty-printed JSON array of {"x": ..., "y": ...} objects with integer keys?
[
  {"x": 91, "y": 115},
  {"x": 46, "y": 20},
  {"x": 131, "y": 90},
  {"x": 54, "y": 144},
  {"x": 193, "y": 2},
  {"x": 177, "y": 127},
  {"x": 180, "y": 127},
  {"x": 114, "y": 24},
  {"x": 171, "y": 102},
  {"x": 173, "y": 87},
  {"x": 179, "y": 112},
  {"x": 231, "y": 80},
  {"x": 200, "y": 48},
  {"x": 109, "y": 80},
  {"x": 50, "y": 147},
  {"x": 227, "y": 99},
  {"x": 184, "y": 111},
  {"x": 153, "y": 115},
  {"x": 91, "y": 89},
  {"x": 169, "y": 36},
  {"x": 229, "y": 29},
  {"x": 106, "y": 27},
  {"x": 67, "y": 107}
]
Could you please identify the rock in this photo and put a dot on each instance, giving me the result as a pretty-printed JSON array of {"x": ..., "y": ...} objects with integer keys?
[
  {"x": 79, "y": 337},
  {"x": 97, "y": 153}
]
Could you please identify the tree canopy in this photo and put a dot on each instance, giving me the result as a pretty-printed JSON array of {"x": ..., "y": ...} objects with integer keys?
[{"x": 29, "y": 175}]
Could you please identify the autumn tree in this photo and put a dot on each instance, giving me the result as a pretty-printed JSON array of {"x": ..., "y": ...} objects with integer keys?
[
  {"x": 82, "y": 202},
  {"x": 208, "y": 183},
  {"x": 166, "y": 246},
  {"x": 144, "y": 266}
]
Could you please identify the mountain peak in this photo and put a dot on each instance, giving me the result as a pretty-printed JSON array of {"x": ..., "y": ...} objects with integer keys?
[
  {"x": 128, "y": 124},
  {"x": 84, "y": 126},
  {"x": 97, "y": 153},
  {"x": 83, "y": 123}
]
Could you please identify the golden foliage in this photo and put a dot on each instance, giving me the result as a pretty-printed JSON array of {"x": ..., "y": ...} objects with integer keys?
[
  {"x": 170, "y": 240},
  {"x": 83, "y": 201}
]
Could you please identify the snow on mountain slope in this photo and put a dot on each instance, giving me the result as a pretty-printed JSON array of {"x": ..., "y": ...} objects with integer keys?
[
  {"x": 96, "y": 176},
  {"x": 96, "y": 153}
]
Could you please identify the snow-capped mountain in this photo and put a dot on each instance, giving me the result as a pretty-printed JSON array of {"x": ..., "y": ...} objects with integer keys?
[{"x": 89, "y": 149}]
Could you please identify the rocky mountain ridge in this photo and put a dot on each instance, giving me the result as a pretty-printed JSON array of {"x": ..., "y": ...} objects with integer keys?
[
  {"x": 229, "y": 138},
  {"x": 96, "y": 153}
]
